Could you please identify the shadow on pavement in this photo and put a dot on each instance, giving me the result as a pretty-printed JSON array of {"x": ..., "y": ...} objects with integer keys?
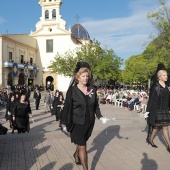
[
  {"x": 67, "y": 166},
  {"x": 26, "y": 151},
  {"x": 102, "y": 139},
  {"x": 148, "y": 163}
]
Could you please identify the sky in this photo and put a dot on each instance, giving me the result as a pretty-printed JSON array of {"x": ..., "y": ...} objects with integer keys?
[{"x": 121, "y": 25}]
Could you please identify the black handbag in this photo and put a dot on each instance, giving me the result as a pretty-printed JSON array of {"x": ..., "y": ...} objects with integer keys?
[{"x": 3, "y": 130}]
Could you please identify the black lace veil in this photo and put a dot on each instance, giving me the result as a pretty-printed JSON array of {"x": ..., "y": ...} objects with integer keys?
[{"x": 154, "y": 78}]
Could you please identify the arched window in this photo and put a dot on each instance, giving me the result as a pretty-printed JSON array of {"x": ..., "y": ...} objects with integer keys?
[
  {"x": 54, "y": 14},
  {"x": 46, "y": 14}
]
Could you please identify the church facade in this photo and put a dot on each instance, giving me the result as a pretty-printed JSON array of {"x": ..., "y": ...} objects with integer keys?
[{"x": 25, "y": 58}]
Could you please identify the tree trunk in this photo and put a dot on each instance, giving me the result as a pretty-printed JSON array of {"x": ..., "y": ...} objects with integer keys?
[{"x": 149, "y": 83}]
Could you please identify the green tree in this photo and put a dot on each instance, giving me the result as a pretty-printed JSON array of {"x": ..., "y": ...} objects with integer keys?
[
  {"x": 108, "y": 67},
  {"x": 141, "y": 68},
  {"x": 64, "y": 64},
  {"x": 135, "y": 70},
  {"x": 105, "y": 64},
  {"x": 160, "y": 19}
]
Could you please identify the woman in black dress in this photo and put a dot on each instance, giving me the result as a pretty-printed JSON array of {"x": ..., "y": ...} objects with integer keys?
[
  {"x": 60, "y": 104},
  {"x": 21, "y": 115},
  {"x": 56, "y": 99},
  {"x": 158, "y": 108},
  {"x": 9, "y": 108},
  {"x": 80, "y": 107}
]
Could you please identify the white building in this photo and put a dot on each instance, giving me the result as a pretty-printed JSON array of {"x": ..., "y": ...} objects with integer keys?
[{"x": 39, "y": 48}]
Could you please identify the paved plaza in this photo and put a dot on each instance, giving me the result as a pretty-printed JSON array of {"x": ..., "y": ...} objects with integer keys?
[{"x": 116, "y": 145}]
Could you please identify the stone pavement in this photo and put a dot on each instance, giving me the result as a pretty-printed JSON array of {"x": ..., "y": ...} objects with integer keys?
[{"x": 116, "y": 145}]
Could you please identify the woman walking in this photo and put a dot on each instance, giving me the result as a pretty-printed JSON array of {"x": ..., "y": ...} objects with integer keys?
[
  {"x": 9, "y": 109},
  {"x": 158, "y": 109},
  {"x": 56, "y": 99},
  {"x": 21, "y": 115},
  {"x": 81, "y": 106},
  {"x": 60, "y": 105}
]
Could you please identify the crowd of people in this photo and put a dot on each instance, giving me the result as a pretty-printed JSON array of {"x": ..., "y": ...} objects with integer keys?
[
  {"x": 17, "y": 104},
  {"x": 16, "y": 101},
  {"x": 129, "y": 99},
  {"x": 54, "y": 103},
  {"x": 76, "y": 113},
  {"x": 13, "y": 99}
]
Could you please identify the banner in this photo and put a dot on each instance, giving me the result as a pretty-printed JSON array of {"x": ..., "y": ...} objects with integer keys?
[
  {"x": 35, "y": 71},
  {"x": 14, "y": 70},
  {"x": 25, "y": 70}
]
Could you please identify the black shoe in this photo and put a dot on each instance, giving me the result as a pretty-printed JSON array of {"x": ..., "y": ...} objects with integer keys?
[
  {"x": 152, "y": 144},
  {"x": 77, "y": 162},
  {"x": 168, "y": 149}
]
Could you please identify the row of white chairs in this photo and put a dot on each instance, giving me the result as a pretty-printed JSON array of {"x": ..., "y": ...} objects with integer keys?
[
  {"x": 119, "y": 103},
  {"x": 143, "y": 107}
]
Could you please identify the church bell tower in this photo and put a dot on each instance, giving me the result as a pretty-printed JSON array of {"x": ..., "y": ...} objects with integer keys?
[{"x": 50, "y": 16}]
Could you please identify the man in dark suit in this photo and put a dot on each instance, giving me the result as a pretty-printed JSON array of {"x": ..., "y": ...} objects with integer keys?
[
  {"x": 29, "y": 92},
  {"x": 37, "y": 97}
]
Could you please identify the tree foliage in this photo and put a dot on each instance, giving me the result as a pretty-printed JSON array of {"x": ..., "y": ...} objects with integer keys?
[
  {"x": 140, "y": 68},
  {"x": 160, "y": 19},
  {"x": 105, "y": 64},
  {"x": 135, "y": 70}
]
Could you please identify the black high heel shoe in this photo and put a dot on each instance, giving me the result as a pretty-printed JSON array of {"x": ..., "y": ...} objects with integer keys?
[
  {"x": 77, "y": 162},
  {"x": 168, "y": 149},
  {"x": 152, "y": 144}
]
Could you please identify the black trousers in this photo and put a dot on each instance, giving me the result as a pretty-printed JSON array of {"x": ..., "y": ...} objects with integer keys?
[{"x": 37, "y": 102}]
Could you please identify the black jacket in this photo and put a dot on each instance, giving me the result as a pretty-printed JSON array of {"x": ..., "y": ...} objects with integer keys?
[
  {"x": 75, "y": 106},
  {"x": 153, "y": 103},
  {"x": 36, "y": 96}
]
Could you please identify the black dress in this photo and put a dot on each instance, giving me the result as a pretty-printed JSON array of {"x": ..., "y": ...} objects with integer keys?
[
  {"x": 59, "y": 108},
  {"x": 22, "y": 111},
  {"x": 162, "y": 114},
  {"x": 81, "y": 133},
  {"x": 54, "y": 111},
  {"x": 10, "y": 107}
]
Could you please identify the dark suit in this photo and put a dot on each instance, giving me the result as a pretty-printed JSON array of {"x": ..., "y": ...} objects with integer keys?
[
  {"x": 37, "y": 97},
  {"x": 28, "y": 93},
  {"x": 75, "y": 106}
]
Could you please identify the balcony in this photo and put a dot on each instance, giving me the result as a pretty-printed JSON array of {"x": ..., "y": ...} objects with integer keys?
[{"x": 9, "y": 64}]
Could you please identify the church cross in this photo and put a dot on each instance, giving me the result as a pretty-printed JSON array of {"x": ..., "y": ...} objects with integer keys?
[{"x": 77, "y": 17}]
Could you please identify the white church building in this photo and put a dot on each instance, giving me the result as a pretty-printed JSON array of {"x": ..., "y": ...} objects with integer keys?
[{"x": 24, "y": 59}]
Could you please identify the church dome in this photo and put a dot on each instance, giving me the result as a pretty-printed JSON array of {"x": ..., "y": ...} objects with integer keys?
[{"x": 79, "y": 31}]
